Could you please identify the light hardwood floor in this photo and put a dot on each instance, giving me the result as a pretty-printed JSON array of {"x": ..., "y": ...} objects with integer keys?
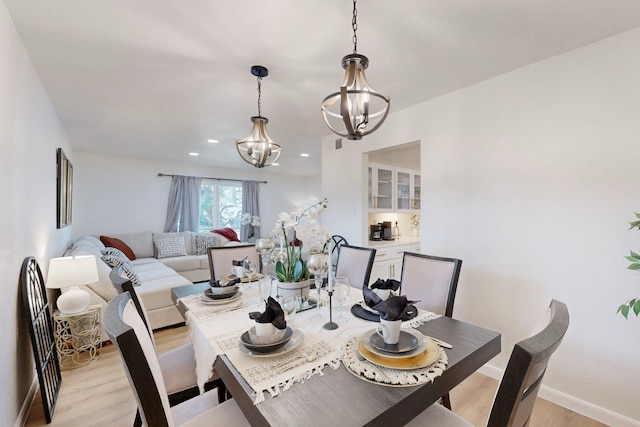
[{"x": 99, "y": 395}]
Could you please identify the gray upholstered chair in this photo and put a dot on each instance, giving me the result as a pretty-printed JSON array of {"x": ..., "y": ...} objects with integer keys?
[
  {"x": 432, "y": 280},
  {"x": 128, "y": 332},
  {"x": 516, "y": 396},
  {"x": 355, "y": 263},
  {"x": 220, "y": 258}
]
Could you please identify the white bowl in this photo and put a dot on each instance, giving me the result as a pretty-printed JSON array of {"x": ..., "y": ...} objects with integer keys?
[{"x": 268, "y": 339}]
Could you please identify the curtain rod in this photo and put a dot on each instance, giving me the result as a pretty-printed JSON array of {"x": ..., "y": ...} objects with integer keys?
[{"x": 215, "y": 179}]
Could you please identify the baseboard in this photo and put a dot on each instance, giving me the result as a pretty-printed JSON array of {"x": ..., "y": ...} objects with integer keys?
[
  {"x": 21, "y": 420},
  {"x": 579, "y": 406}
]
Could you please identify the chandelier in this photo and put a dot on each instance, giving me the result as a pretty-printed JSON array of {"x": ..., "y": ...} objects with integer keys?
[
  {"x": 356, "y": 107},
  {"x": 258, "y": 149}
]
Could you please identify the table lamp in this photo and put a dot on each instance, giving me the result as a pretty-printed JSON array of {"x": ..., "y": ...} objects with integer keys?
[{"x": 70, "y": 272}]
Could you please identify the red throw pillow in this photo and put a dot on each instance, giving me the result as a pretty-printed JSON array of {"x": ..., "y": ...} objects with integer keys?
[
  {"x": 228, "y": 233},
  {"x": 118, "y": 244}
]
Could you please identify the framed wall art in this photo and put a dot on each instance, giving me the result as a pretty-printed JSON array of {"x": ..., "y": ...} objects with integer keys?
[{"x": 64, "y": 193}]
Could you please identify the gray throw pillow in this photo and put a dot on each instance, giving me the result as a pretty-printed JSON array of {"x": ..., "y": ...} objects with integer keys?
[
  {"x": 204, "y": 241},
  {"x": 170, "y": 246}
]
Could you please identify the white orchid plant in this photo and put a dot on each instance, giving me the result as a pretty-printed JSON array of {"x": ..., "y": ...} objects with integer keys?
[
  {"x": 252, "y": 221},
  {"x": 296, "y": 230}
]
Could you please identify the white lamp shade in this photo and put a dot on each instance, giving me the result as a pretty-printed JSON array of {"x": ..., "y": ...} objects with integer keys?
[{"x": 70, "y": 272}]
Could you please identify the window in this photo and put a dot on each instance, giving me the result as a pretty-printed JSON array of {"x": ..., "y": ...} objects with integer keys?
[{"x": 220, "y": 205}]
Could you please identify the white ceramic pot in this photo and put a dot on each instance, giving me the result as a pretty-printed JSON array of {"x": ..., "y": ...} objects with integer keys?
[{"x": 290, "y": 289}]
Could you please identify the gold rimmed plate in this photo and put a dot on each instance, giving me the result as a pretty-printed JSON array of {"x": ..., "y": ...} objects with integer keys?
[
  {"x": 422, "y": 344},
  {"x": 417, "y": 361}
]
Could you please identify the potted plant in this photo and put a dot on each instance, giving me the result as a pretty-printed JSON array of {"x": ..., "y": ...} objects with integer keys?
[
  {"x": 634, "y": 303},
  {"x": 299, "y": 234}
]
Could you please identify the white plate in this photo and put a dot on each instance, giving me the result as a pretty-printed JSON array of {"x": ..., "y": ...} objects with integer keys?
[
  {"x": 296, "y": 339},
  {"x": 422, "y": 345},
  {"x": 207, "y": 301}
]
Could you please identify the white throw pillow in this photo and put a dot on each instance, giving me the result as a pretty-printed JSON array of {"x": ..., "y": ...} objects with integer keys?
[
  {"x": 170, "y": 246},
  {"x": 128, "y": 271}
]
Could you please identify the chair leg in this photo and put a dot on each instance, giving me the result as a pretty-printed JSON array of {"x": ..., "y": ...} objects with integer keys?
[
  {"x": 446, "y": 401},
  {"x": 223, "y": 393}
]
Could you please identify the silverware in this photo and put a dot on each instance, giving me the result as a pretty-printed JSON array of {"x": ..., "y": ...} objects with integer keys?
[
  {"x": 361, "y": 358},
  {"x": 297, "y": 361},
  {"x": 441, "y": 343}
]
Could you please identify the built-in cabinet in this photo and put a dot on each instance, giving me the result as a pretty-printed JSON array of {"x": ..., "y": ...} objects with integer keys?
[
  {"x": 388, "y": 261},
  {"x": 393, "y": 189}
]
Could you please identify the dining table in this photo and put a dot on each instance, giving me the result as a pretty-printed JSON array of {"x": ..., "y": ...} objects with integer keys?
[{"x": 322, "y": 379}]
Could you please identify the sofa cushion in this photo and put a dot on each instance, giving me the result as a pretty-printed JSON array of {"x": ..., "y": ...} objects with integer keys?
[
  {"x": 92, "y": 240},
  {"x": 118, "y": 244},
  {"x": 156, "y": 293},
  {"x": 115, "y": 261},
  {"x": 169, "y": 246},
  {"x": 183, "y": 263},
  {"x": 130, "y": 274},
  {"x": 206, "y": 240},
  {"x": 228, "y": 233},
  {"x": 115, "y": 252}
]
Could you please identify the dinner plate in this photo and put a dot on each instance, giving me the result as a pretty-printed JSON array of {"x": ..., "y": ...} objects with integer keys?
[
  {"x": 360, "y": 312},
  {"x": 420, "y": 360},
  {"x": 406, "y": 343},
  {"x": 421, "y": 347},
  {"x": 245, "y": 340},
  {"x": 213, "y": 296},
  {"x": 296, "y": 339},
  {"x": 206, "y": 300},
  {"x": 244, "y": 279},
  {"x": 221, "y": 290}
]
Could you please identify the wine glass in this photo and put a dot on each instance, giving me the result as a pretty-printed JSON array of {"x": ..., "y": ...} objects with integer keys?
[
  {"x": 290, "y": 305},
  {"x": 318, "y": 265},
  {"x": 341, "y": 290},
  {"x": 264, "y": 247},
  {"x": 264, "y": 286},
  {"x": 249, "y": 268}
]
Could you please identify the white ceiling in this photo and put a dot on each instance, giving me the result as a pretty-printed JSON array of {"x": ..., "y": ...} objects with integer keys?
[{"x": 157, "y": 78}]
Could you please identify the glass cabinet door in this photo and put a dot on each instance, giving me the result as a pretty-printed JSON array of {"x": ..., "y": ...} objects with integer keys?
[
  {"x": 403, "y": 194},
  {"x": 416, "y": 192},
  {"x": 384, "y": 185}
]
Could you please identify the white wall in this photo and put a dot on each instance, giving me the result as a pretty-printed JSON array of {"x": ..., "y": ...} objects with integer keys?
[
  {"x": 121, "y": 195},
  {"x": 531, "y": 178},
  {"x": 29, "y": 135}
]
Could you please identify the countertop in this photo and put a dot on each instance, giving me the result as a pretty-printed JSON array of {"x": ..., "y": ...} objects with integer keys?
[{"x": 378, "y": 244}]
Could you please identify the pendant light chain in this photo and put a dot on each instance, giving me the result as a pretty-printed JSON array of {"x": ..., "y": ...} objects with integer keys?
[
  {"x": 354, "y": 25},
  {"x": 259, "y": 94}
]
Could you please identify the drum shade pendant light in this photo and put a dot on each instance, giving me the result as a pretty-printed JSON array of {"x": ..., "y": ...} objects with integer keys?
[
  {"x": 356, "y": 107},
  {"x": 258, "y": 148}
]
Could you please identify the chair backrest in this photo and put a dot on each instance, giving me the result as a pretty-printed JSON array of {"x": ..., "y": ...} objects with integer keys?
[
  {"x": 220, "y": 258},
  {"x": 127, "y": 331},
  {"x": 38, "y": 312},
  {"x": 527, "y": 365},
  {"x": 355, "y": 263},
  {"x": 123, "y": 284},
  {"x": 335, "y": 242},
  {"x": 431, "y": 280}
]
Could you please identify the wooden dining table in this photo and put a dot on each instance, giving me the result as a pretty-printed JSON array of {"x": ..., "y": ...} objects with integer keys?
[{"x": 340, "y": 398}]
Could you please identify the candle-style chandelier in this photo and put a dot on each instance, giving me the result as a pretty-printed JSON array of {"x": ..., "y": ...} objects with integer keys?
[
  {"x": 258, "y": 149},
  {"x": 356, "y": 107}
]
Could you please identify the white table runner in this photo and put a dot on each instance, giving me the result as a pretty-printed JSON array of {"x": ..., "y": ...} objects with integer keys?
[{"x": 216, "y": 330}]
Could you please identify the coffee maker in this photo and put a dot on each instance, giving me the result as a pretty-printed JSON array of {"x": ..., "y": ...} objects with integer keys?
[
  {"x": 387, "y": 230},
  {"x": 375, "y": 232}
]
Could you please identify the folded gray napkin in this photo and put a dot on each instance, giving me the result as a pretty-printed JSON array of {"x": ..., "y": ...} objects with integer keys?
[
  {"x": 221, "y": 284},
  {"x": 273, "y": 314}
]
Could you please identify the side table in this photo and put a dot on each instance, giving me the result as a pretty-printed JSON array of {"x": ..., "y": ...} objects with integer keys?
[{"x": 78, "y": 337}]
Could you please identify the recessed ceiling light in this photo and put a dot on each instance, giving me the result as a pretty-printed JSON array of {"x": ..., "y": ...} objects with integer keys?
[
  {"x": 213, "y": 141},
  {"x": 194, "y": 154},
  {"x": 304, "y": 155}
]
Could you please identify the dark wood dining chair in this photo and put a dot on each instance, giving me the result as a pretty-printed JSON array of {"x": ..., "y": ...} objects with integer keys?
[
  {"x": 336, "y": 241},
  {"x": 128, "y": 332},
  {"x": 355, "y": 262},
  {"x": 517, "y": 392},
  {"x": 432, "y": 281},
  {"x": 178, "y": 365},
  {"x": 220, "y": 258}
]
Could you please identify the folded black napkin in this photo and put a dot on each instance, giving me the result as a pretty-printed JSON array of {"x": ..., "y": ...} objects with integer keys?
[
  {"x": 396, "y": 308},
  {"x": 370, "y": 297},
  {"x": 392, "y": 284},
  {"x": 238, "y": 262},
  {"x": 273, "y": 314},
  {"x": 221, "y": 283}
]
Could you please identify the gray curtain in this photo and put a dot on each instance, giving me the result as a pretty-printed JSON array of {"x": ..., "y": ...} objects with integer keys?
[
  {"x": 183, "y": 208},
  {"x": 250, "y": 197}
]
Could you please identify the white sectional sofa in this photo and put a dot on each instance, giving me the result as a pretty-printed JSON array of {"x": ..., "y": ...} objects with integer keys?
[{"x": 157, "y": 275}]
